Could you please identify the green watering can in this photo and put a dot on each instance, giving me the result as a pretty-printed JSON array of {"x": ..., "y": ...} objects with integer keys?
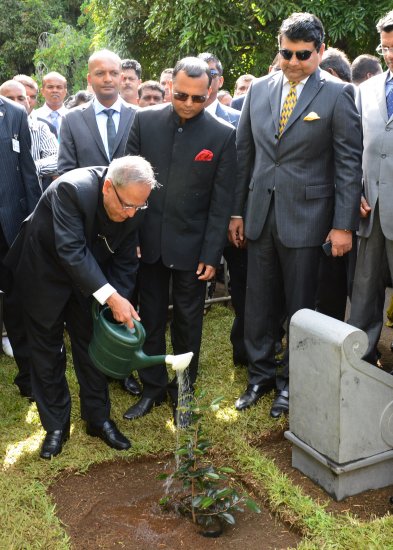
[{"x": 116, "y": 350}]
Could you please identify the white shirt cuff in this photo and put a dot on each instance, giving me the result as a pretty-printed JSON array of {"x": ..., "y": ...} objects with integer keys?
[
  {"x": 103, "y": 293},
  {"x": 236, "y": 217}
]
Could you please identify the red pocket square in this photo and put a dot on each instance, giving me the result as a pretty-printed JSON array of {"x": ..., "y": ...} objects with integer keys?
[{"x": 205, "y": 155}]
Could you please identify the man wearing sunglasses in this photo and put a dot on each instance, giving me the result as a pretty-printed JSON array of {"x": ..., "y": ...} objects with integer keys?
[
  {"x": 299, "y": 151},
  {"x": 79, "y": 245},
  {"x": 181, "y": 239},
  {"x": 375, "y": 103}
]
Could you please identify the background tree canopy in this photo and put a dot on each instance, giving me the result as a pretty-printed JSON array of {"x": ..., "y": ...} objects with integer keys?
[{"x": 38, "y": 36}]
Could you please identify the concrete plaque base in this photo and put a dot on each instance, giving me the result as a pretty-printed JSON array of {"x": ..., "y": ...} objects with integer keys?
[{"x": 342, "y": 480}]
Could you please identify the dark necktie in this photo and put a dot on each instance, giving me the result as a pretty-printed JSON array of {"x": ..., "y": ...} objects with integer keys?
[
  {"x": 389, "y": 103},
  {"x": 110, "y": 131}
]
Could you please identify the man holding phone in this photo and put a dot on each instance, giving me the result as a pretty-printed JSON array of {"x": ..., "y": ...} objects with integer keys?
[{"x": 299, "y": 151}]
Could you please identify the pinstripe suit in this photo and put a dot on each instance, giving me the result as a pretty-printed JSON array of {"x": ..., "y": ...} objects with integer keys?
[
  {"x": 297, "y": 188},
  {"x": 19, "y": 193}
]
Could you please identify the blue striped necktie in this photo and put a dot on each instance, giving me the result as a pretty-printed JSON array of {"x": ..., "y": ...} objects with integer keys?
[{"x": 389, "y": 103}]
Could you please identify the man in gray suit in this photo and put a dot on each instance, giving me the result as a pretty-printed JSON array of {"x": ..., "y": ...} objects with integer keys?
[
  {"x": 375, "y": 103},
  {"x": 299, "y": 151},
  {"x": 97, "y": 132}
]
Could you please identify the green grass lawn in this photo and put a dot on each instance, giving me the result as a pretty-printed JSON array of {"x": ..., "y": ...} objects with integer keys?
[{"x": 28, "y": 517}]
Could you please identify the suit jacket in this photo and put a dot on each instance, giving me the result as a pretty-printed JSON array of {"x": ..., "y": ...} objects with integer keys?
[
  {"x": 237, "y": 102},
  {"x": 81, "y": 144},
  {"x": 187, "y": 218},
  {"x": 227, "y": 113},
  {"x": 314, "y": 168},
  {"x": 61, "y": 249},
  {"x": 377, "y": 154},
  {"x": 19, "y": 187}
]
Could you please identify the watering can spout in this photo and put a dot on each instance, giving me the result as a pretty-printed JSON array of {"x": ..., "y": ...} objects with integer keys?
[
  {"x": 116, "y": 350},
  {"x": 179, "y": 363}
]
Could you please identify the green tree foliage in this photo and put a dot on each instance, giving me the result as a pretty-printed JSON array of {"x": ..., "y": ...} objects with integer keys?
[
  {"x": 21, "y": 24},
  {"x": 242, "y": 33}
]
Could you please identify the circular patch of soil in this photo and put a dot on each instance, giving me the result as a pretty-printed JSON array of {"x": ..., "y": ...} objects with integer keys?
[{"x": 116, "y": 505}]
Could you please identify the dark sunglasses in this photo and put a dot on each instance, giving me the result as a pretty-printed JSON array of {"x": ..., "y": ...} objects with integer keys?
[
  {"x": 214, "y": 73},
  {"x": 301, "y": 55},
  {"x": 180, "y": 96}
]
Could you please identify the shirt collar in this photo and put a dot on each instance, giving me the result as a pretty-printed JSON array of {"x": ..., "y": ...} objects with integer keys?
[
  {"x": 285, "y": 80},
  {"x": 98, "y": 107},
  {"x": 389, "y": 76},
  {"x": 212, "y": 107}
]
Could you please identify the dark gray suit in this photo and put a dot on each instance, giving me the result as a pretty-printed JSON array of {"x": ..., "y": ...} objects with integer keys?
[
  {"x": 293, "y": 191},
  {"x": 19, "y": 193},
  {"x": 81, "y": 144},
  {"x": 60, "y": 260},
  {"x": 227, "y": 113}
]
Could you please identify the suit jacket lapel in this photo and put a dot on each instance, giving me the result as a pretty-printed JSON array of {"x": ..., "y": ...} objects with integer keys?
[
  {"x": 380, "y": 95},
  {"x": 125, "y": 115},
  {"x": 310, "y": 90},
  {"x": 275, "y": 89},
  {"x": 90, "y": 119}
]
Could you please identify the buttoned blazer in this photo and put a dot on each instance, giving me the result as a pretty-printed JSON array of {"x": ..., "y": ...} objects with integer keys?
[
  {"x": 227, "y": 113},
  {"x": 59, "y": 249},
  {"x": 19, "y": 187},
  {"x": 187, "y": 218},
  {"x": 314, "y": 169},
  {"x": 377, "y": 154},
  {"x": 81, "y": 144}
]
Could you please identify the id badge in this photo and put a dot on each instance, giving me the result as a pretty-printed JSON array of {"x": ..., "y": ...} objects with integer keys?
[{"x": 15, "y": 145}]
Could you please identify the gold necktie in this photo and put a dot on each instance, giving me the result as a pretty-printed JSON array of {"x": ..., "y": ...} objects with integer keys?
[{"x": 287, "y": 108}]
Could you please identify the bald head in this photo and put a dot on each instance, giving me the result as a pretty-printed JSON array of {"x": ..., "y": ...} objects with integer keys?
[
  {"x": 104, "y": 76},
  {"x": 15, "y": 91}
]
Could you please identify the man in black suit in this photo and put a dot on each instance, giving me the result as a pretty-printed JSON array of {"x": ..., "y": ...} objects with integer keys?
[
  {"x": 96, "y": 132},
  {"x": 79, "y": 243},
  {"x": 19, "y": 193},
  {"x": 182, "y": 237}
]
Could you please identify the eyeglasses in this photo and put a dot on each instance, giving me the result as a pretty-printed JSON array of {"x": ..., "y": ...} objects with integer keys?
[
  {"x": 384, "y": 50},
  {"x": 214, "y": 73},
  {"x": 180, "y": 96},
  {"x": 129, "y": 206},
  {"x": 301, "y": 55}
]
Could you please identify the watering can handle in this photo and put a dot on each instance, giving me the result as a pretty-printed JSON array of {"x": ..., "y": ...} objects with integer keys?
[{"x": 138, "y": 335}]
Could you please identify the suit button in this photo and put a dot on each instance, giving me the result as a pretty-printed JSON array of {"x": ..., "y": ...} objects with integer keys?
[
  {"x": 180, "y": 130},
  {"x": 387, "y": 129},
  {"x": 269, "y": 191},
  {"x": 277, "y": 164},
  {"x": 383, "y": 156},
  {"x": 377, "y": 183}
]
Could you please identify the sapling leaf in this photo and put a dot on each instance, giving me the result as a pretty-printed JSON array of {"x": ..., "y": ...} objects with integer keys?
[
  {"x": 252, "y": 505},
  {"x": 228, "y": 518}
]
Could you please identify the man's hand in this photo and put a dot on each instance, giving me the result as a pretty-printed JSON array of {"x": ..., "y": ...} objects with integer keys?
[
  {"x": 205, "y": 272},
  {"x": 122, "y": 310},
  {"x": 236, "y": 232},
  {"x": 341, "y": 241},
  {"x": 365, "y": 208}
]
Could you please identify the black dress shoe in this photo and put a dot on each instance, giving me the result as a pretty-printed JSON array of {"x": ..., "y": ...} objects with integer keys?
[
  {"x": 53, "y": 442},
  {"x": 109, "y": 433},
  {"x": 144, "y": 406},
  {"x": 280, "y": 404},
  {"x": 131, "y": 385},
  {"x": 252, "y": 395}
]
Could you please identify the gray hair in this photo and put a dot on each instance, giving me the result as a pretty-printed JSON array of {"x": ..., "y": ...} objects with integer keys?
[
  {"x": 386, "y": 23},
  {"x": 127, "y": 170}
]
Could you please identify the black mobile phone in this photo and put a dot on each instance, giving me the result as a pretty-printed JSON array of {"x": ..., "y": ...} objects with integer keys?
[{"x": 327, "y": 248}]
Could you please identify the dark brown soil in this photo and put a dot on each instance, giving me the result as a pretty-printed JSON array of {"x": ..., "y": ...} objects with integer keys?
[{"x": 115, "y": 505}]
